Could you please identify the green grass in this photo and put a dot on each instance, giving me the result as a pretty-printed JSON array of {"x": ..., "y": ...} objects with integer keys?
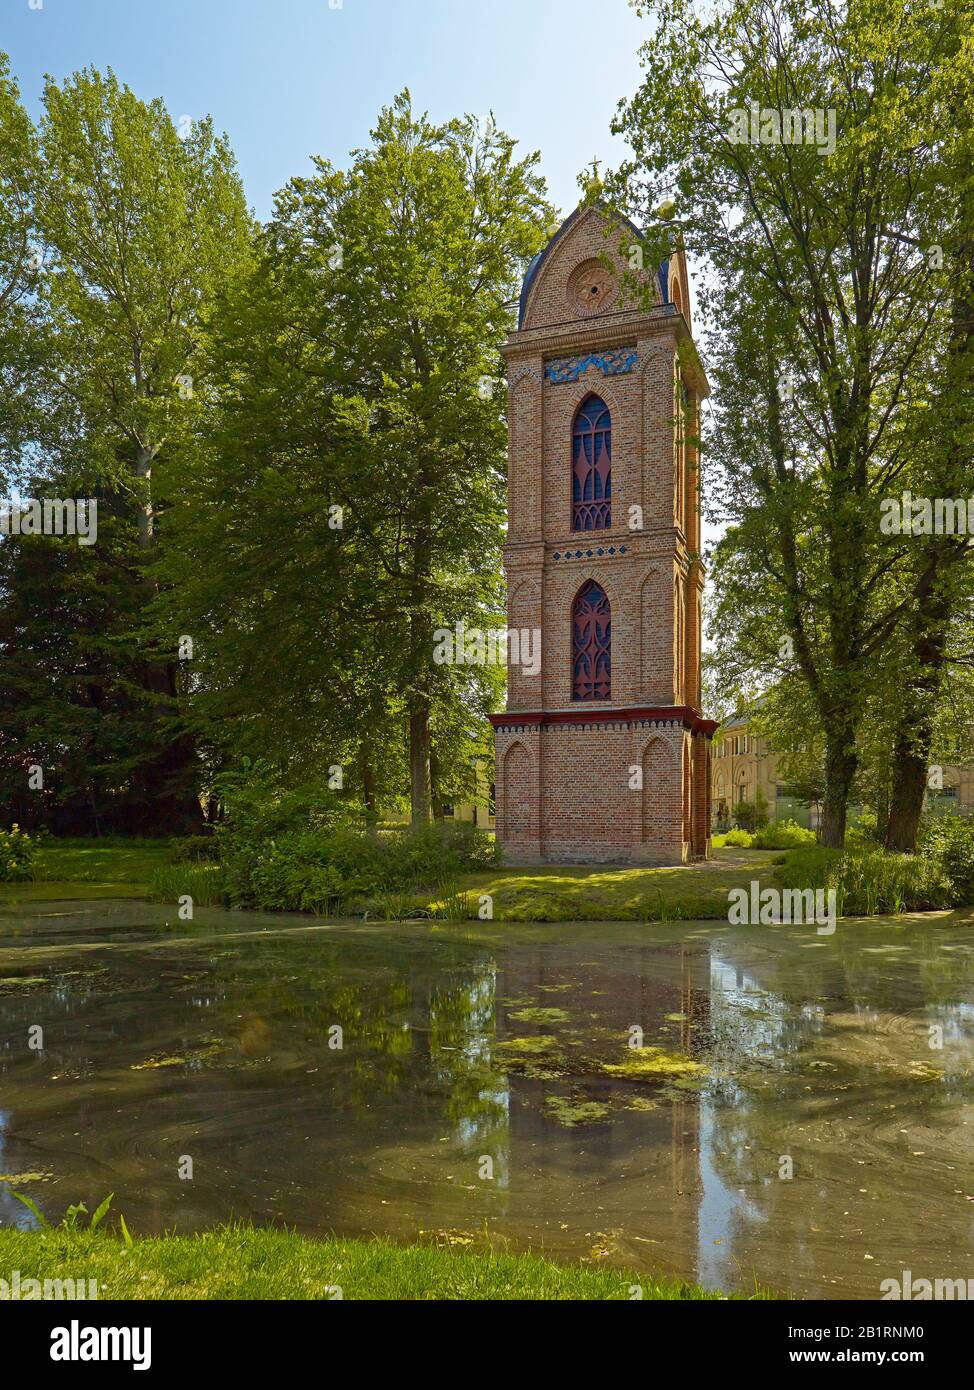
[
  {"x": 90, "y": 869},
  {"x": 202, "y": 882},
  {"x": 241, "y": 1262},
  {"x": 868, "y": 880},
  {"x": 91, "y": 861},
  {"x": 602, "y": 893},
  {"x": 86, "y": 869}
]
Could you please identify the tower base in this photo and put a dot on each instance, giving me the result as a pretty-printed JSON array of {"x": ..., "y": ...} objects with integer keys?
[{"x": 628, "y": 786}]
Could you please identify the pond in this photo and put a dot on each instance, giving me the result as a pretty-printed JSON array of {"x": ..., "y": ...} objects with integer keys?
[{"x": 797, "y": 1111}]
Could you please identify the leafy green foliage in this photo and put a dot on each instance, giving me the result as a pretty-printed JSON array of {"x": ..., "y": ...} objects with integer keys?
[
  {"x": 738, "y": 838},
  {"x": 786, "y": 834},
  {"x": 245, "y": 1262},
  {"x": 840, "y": 348},
  {"x": 748, "y": 815},
  {"x": 70, "y": 1221},
  {"x": 782, "y": 834},
  {"x": 869, "y": 881},
  {"x": 949, "y": 842},
  {"x": 17, "y": 854},
  {"x": 135, "y": 227},
  {"x": 343, "y": 496},
  {"x": 320, "y": 871}
]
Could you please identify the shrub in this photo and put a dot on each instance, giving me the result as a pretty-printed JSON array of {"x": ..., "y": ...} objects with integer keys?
[
  {"x": 424, "y": 856},
  {"x": 736, "y": 838},
  {"x": 785, "y": 834},
  {"x": 948, "y": 841},
  {"x": 868, "y": 881},
  {"x": 324, "y": 870},
  {"x": 17, "y": 850},
  {"x": 865, "y": 833},
  {"x": 748, "y": 816},
  {"x": 193, "y": 849},
  {"x": 309, "y": 871},
  {"x": 262, "y": 834}
]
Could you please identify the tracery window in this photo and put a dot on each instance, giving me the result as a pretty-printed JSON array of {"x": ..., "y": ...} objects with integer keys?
[
  {"x": 592, "y": 466},
  {"x": 591, "y": 644}
]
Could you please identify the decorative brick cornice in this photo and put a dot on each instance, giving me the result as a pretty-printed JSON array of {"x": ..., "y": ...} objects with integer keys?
[
  {"x": 639, "y": 716},
  {"x": 599, "y": 334}
]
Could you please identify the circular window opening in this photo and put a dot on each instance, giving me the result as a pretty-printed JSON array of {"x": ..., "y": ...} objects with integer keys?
[{"x": 591, "y": 287}]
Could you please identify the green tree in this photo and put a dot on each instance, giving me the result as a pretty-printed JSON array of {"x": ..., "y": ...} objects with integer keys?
[
  {"x": 19, "y": 268},
  {"x": 141, "y": 226},
  {"x": 825, "y": 313},
  {"x": 345, "y": 496}
]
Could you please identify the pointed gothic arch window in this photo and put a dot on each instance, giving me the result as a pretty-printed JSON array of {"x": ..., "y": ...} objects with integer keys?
[
  {"x": 591, "y": 644},
  {"x": 592, "y": 466}
]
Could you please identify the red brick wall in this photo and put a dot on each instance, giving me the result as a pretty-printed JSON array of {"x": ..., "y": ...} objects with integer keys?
[{"x": 573, "y": 793}]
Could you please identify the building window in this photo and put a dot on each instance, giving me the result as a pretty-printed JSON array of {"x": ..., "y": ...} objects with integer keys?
[
  {"x": 592, "y": 466},
  {"x": 591, "y": 644}
]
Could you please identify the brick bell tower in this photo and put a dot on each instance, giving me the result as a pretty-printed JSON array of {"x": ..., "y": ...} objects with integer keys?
[{"x": 602, "y": 754}]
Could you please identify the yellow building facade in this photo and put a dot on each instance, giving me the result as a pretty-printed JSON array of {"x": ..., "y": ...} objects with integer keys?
[{"x": 745, "y": 767}]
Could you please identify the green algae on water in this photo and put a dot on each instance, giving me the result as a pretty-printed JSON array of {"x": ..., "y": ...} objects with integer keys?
[
  {"x": 569, "y": 1112},
  {"x": 534, "y": 1042},
  {"x": 654, "y": 1064},
  {"x": 186, "y": 1059},
  {"x": 539, "y": 1015}
]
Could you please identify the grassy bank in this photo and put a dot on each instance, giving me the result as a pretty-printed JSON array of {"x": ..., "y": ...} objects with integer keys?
[
  {"x": 90, "y": 869},
  {"x": 867, "y": 882},
  {"x": 79, "y": 869},
  {"x": 566, "y": 893},
  {"x": 245, "y": 1263}
]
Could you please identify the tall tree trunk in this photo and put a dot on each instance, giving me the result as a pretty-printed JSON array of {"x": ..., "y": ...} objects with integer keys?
[
  {"x": 367, "y": 770},
  {"x": 841, "y": 761},
  {"x": 436, "y": 800},
  {"x": 909, "y": 788},
  {"x": 419, "y": 764},
  {"x": 143, "y": 472},
  {"x": 421, "y": 651},
  {"x": 914, "y": 737}
]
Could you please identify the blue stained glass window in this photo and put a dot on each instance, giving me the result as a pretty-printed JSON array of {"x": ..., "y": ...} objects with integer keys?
[{"x": 592, "y": 466}]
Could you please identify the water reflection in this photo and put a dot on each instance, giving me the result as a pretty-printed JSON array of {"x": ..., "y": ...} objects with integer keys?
[{"x": 485, "y": 1080}]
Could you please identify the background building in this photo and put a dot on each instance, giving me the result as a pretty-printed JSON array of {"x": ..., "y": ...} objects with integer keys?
[{"x": 746, "y": 767}]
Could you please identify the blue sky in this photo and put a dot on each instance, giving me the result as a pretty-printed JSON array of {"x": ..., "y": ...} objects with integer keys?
[{"x": 287, "y": 79}]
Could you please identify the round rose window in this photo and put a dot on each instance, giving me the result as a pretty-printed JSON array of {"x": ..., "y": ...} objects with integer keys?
[{"x": 590, "y": 287}]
